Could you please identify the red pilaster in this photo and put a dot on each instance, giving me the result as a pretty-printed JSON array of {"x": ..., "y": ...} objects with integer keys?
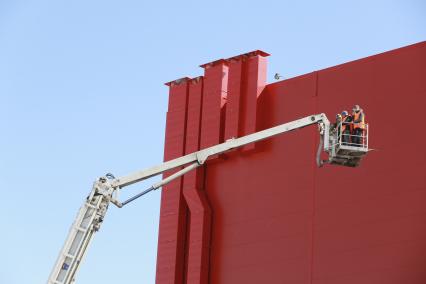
[
  {"x": 254, "y": 81},
  {"x": 214, "y": 96},
  {"x": 170, "y": 255},
  {"x": 247, "y": 79},
  {"x": 233, "y": 98},
  {"x": 195, "y": 196}
]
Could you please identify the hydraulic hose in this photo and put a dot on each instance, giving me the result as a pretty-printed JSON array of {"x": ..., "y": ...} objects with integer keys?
[{"x": 320, "y": 162}]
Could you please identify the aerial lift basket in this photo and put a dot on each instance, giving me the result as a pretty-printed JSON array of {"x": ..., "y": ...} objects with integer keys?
[{"x": 347, "y": 149}]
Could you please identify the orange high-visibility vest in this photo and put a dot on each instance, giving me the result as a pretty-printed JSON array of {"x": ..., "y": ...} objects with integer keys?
[{"x": 361, "y": 117}]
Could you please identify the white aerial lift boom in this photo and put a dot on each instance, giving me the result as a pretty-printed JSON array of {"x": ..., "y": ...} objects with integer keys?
[{"x": 105, "y": 189}]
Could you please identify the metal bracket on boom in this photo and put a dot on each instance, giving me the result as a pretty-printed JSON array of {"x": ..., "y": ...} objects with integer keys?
[{"x": 157, "y": 185}]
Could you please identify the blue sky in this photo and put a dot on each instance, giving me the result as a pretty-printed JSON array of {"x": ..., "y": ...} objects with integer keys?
[{"x": 82, "y": 94}]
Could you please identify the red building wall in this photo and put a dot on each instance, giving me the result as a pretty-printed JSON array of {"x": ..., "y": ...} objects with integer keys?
[{"x": 267, "y": 214}]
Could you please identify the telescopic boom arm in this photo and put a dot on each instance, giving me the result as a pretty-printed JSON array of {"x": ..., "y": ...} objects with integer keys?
[
  {"x": 105, "y": 191},
  {"x": 197, "y": 159}
]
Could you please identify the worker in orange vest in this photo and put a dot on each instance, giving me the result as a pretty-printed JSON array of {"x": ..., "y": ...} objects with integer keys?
[
  {"x": 358, "y": 126},
  {"x": 346, "y": 127}
]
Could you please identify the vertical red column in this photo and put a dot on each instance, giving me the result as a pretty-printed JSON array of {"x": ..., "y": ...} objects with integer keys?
[
  {"x": 200, "y": 214},
  {"x": 233, "y": 98},
  {"x": 197, "y": 119},
  {"x": 214, "y": 96},
  {"x": 171, "y": 240},
  {"x": 247, "y": 79},
  {"x": 206, "y": 99},
  {"x": 254, "y": 81}
]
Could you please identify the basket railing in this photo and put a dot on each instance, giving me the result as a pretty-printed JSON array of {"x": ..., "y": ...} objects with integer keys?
[{"x": 349, "y": 137}]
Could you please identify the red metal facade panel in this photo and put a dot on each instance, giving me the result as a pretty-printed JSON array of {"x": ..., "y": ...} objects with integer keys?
[
  {"x": 370, "y": 223},
  {"x": 198, "y": 239},
  {"x": 262, "y": 213},
  {"x": 254, "y": 82},
  {"x": 233, "y": 99},
  {"x": 171, "y": 239},
  {"x": 214, "y": 94},
  {"x": 277, "y": 218}
]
